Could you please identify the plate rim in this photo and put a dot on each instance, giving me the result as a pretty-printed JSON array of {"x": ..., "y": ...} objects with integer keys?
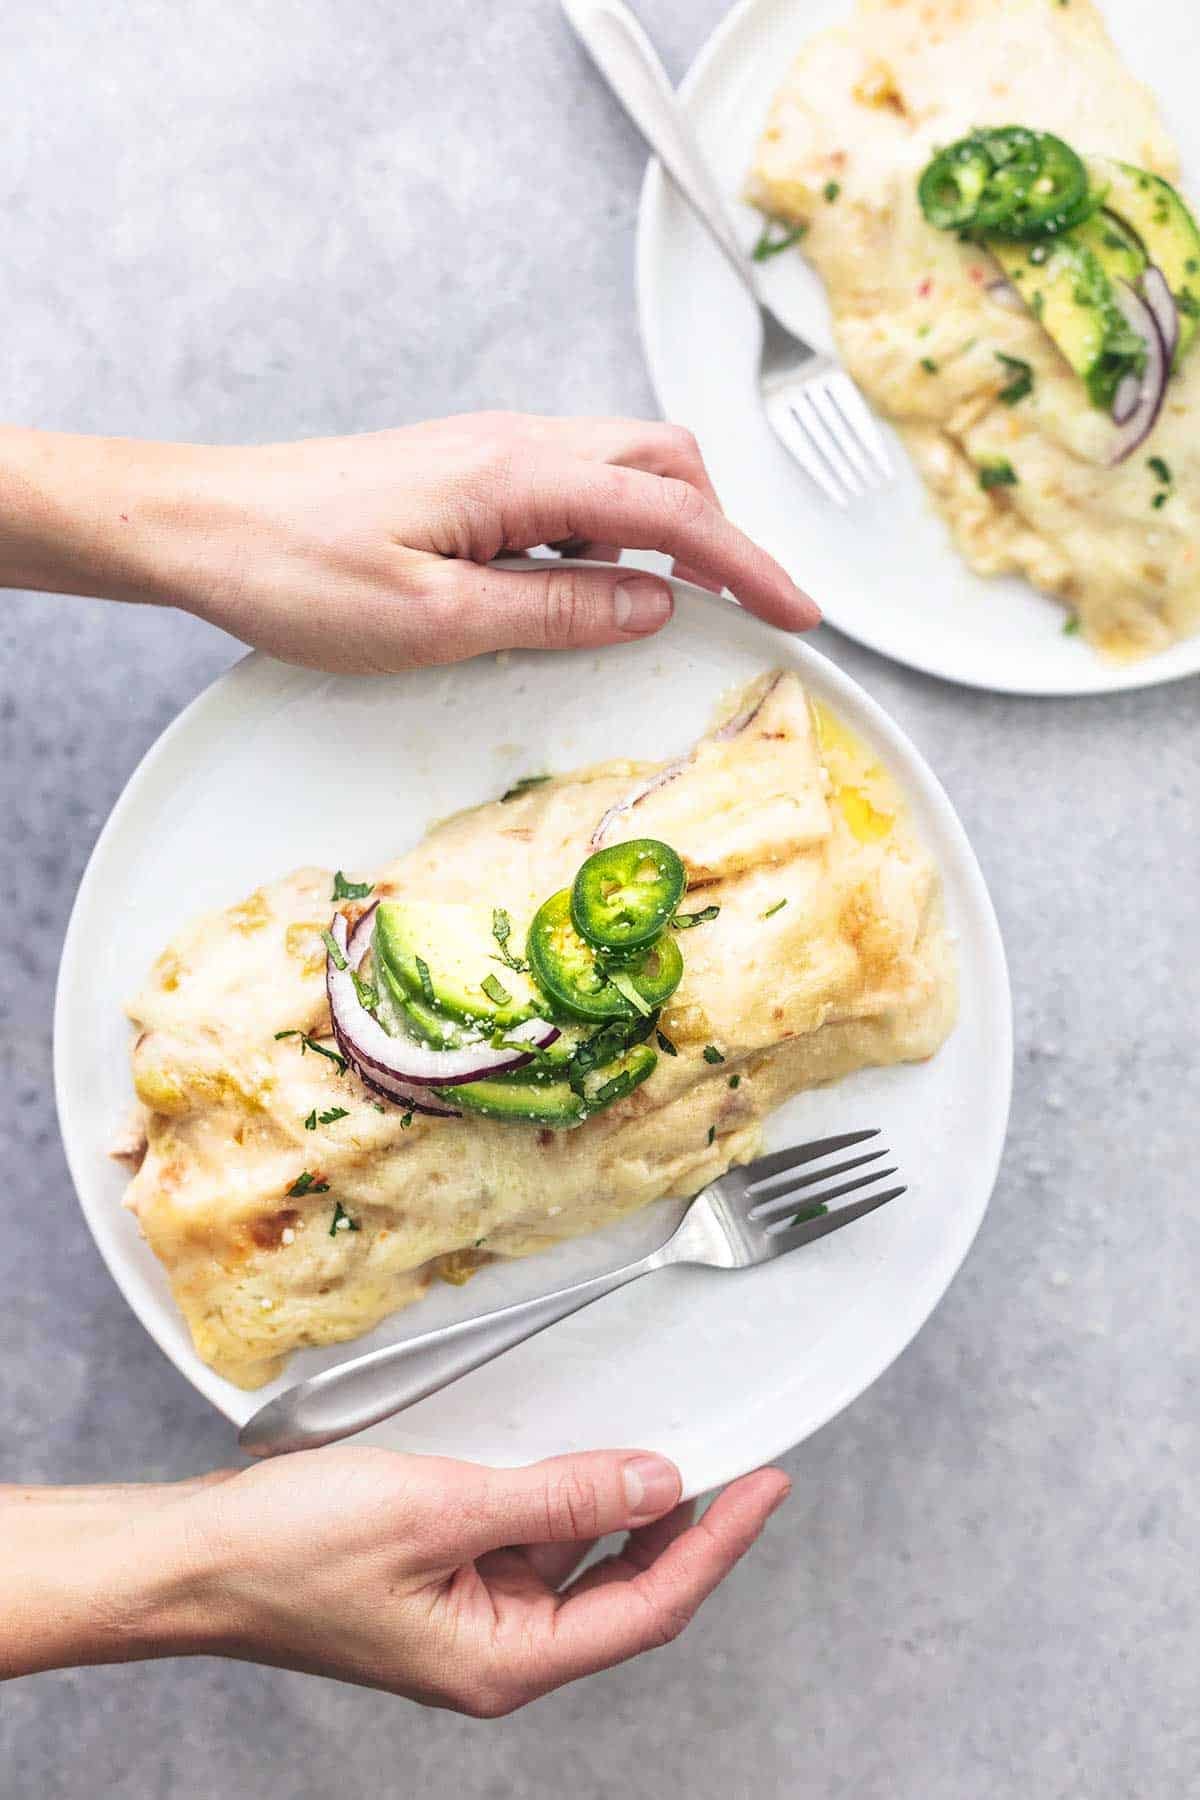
[
  {"x": 1104, "y": 678},
  {"x": 992, "y": 974}
]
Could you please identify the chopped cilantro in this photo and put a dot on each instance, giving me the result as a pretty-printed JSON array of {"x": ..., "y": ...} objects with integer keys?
[
  {"x": 685, "y": 921},
  {"x": 772, "y": 910},
  {"x": 1022, "y": 378},
  {"x": 1161, "y": 469},
  {"x": 336, "y": 957},
  {"x": 495, "y": 990},
  {"x": 997, "y": 472},
  {"x": 1160, "y": 500},
  {"x": 406, "y": 1121},
  {"x": 502, "y": 931},
  {"x": 341, "y": 1220},
  {"x": 350, "y": 890},
  {"x": 712, "y": 1054},
  {"x": 307, "y": 1184},
  {"x": 735, "y": 1081},
  {"x": 425, "y": 979},
  {"x": 665, "y": 1044},
  {"x": 776, "y": 235},
  {"x": 310, "y": 1124},
  {"x": 310, "y": 1043},
  {"x": 831, "y": 190},
  {"x": 334, "y": 1113},
  {"x": 929, "y": 366},
  {"x": 819, "y": 1209},
  {"x": 523, "y": 786}
]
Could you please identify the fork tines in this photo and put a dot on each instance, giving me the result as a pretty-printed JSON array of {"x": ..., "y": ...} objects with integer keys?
[{"x": 781, "y": 1200}]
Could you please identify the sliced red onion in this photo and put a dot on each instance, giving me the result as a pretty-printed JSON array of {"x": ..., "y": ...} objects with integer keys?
[
  {"x": 1125, "y": 399},
  {"x": 730, "y": 729},
  {"x": 388, "y": 1061},
  {"x": 1141, "y": 421},
  {"x": 1158, "y": 297},
  {"x": 1004, "y": 293}
]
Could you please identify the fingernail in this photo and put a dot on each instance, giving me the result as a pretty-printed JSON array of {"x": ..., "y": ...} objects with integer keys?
[
  {"x": 640, "y": 606},
  {"x": 652, "y": 1486}
]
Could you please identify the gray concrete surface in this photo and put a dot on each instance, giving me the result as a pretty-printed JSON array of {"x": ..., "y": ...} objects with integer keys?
[{"x": 248, "y": 219}]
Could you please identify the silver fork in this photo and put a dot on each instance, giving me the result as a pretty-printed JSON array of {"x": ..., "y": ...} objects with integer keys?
[
  {"x": 750, "y": 1215},
  {"x": 815, "y": 409}
]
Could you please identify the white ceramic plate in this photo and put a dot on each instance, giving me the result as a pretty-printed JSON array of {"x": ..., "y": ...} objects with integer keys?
[
  {"x": 273, "y": 767},
  {"x": 884, "y": 570}
]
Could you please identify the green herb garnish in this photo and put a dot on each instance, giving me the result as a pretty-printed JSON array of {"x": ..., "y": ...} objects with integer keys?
[
  {"x": 1022, "y": 378},
  {"x": 1160, "y": 500},
  {"x": 998, "y": 472},
  {"x": 772, "y": 910},
  {"x": 831, "y": 190},
  {"x": 665, "y": 1045},
  {"x": 310, "y": 1124},
  {"x": 350, "y": 890},
  {"x": 310, "y": 1043},
  {"x": 712, "y": 1054},
  {"x": 495, "y": 990},
  {"x": 523, "y": 786},
  {"x": 307, "y": 1184},
  {"x": 1071, "y": 625},
  {"x": 368, "y": 996},
  {"x": 816, "y": 1211},
  {"x": 735, "y": 1081},
  {"x": 341, "y": 1220},
  {"x": 685, "y": 921},
  {"x": 1161, "y": 469},
  {"x": 336, "y": 957},
  {"x": 406, "y": 1121},
  {"x": 770, "y": 245},
  {"x": 334, "y": 1113},
  {"x": 425, "y": 979},
  {"x": 502, "y": 931},
  {"x": 712, "y": 1132},
  {"x": 929, "y": 366}
]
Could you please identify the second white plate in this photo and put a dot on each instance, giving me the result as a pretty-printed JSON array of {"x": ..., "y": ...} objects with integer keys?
[{"x": 884, "y": 571}]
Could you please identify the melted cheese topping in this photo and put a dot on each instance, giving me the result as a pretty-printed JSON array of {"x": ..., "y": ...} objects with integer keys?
[
  {"x": 855, "y": 969},
  {"x": 919, "y": 329}
]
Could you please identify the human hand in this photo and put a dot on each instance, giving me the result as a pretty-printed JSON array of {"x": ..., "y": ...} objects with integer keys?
[
  {"x": 370, "y": 554},
  {"x": 443, "y": 1581}
]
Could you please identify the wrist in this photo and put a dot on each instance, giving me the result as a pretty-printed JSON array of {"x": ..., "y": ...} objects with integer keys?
[
  {"x": 88, "y": 515},
  {"x": 102, "y": 1575}
]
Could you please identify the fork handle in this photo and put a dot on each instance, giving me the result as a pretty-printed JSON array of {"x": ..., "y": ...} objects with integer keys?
[
  {"x": 630, "y": 64},
  {"x": 367, "y": 1389}
]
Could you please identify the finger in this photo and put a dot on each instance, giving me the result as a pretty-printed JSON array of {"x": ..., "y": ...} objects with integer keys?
[
  {"x": 655, "y": 445},
  {"x": 565, "y": 1500},
  {"x": 468, "y": 608},
  {"x": 588, "y": 550},
  {"x": 609, "y": 1621},
  {"x": 553, "y": 1563},
  {"x": 640, "y": 1549},
  {"x": 649, "y": 512}
]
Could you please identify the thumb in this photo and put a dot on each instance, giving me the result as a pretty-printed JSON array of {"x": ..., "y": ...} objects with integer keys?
[
  {"x": 554, "y": 608},
  {"x": 571, "y": 1499}
]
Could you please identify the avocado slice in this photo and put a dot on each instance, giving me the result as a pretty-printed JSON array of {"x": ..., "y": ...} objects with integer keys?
[
  {"x": 412, "y": 1013},
  {"x": 1156, "y": 214},
  {"x": 442, "y": 954},
  {"x": 1117, "y": 250},
  {"x": 521, "y": 1099},
  {"x": 1065, "y": 286}
]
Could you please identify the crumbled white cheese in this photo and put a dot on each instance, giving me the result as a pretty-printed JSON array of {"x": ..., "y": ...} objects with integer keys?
[
  {"x": 343, "y": 1224},
  {"x": 287, "y": 1235}
]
